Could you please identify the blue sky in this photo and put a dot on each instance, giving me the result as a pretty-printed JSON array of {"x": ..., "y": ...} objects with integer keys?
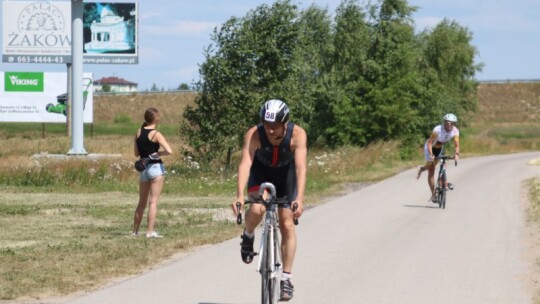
[{"x": 173, "y": 35}]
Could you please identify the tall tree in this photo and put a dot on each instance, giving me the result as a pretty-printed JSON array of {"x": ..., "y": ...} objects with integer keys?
[
  {"x": 250, "y": 60},
  {"x": 346, "y": 83},
  {"x": 393, "y": 98},
  {"x": 313, "y": 62},
  {"x": 448, "y": 70},
  {"x": 363, "y": 77}
]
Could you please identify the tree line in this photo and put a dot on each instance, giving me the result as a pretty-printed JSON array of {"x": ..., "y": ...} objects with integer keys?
[{"x": 359, "y": 76}]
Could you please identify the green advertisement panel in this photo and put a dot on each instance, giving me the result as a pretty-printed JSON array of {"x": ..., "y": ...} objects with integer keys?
[{"x": 23, "y": 82}]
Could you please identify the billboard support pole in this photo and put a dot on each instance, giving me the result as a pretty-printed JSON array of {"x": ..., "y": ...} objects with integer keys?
[
  {"x": 68, "y": 101},
  {"x": 77, "y": 104}
]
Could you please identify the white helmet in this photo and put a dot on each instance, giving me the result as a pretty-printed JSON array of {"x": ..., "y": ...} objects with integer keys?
[{"x": 450, "y": 117}]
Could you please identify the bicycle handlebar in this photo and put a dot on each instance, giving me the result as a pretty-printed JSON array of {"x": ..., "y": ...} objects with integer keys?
[
  {"x": 239, "y": 213},
  {"x": 270, "y": 200},
  {"x": 294, "y": 208},
  {"x": 447, "y": 157}
]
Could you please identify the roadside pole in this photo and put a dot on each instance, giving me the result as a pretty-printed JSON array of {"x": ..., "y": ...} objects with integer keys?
[{"x": 77, "y": 102}]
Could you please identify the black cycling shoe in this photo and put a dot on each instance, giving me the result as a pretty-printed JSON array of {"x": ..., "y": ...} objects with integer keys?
[
  {"x": 450, "y": 186},
  {"x": 287, "y": 290},
  {"x": 246, "y": 248}
]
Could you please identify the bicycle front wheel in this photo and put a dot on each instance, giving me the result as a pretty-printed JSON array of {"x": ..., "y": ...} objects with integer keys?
[
  {"x": 277, "y": 267},
  {"x": 443, "y": 198},
  {"x": 267, "y": 282}
]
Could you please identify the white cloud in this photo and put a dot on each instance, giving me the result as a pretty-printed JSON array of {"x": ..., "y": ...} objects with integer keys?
[
  {"x": 422, "y": 23},
  {"x": 182, "y": 28},
  {"x": 150, "y": 54},
  {"x": 184, "y": 74},
  {"x": 149, "y": 15}
]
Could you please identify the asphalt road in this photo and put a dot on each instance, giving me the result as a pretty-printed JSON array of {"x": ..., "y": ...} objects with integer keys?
[{"x": 382, "y": 244}]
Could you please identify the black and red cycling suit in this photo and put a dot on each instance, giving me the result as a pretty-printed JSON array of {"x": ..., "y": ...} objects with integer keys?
[{"x": 274, "y": 164}]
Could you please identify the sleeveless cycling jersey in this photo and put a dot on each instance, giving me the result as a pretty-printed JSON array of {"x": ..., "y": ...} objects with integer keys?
[
  {"x": 444, "y": 136},
  {"x": 146, "y": 146},
  {"x": 275, "y": 156},
  {"x": 274, "y": 164}
]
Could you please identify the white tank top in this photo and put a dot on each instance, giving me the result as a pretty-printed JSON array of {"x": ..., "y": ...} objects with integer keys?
[{"x": 443, "y": 136}]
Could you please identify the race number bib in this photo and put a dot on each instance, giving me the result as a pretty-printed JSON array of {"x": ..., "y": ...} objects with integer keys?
[{"x": 270, "y": 116}]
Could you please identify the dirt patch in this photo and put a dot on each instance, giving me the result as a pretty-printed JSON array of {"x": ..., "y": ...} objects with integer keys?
[
  {"x": 508, "y": 102},
  {"x": 171, "y": 106}
]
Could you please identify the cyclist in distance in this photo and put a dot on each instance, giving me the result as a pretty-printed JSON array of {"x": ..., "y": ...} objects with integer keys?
[
  {"x": 433, "y": 147},
  {"x": 274, "y": 151}
]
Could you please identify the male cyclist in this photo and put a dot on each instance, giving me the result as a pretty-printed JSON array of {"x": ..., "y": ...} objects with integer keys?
[
  {"x": 274, "y": 151},
  {"x": 433, "y": 147}
]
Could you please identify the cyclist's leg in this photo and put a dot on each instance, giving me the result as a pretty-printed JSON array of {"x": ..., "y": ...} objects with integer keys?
[
  {"x": 288, "y": 238},
  {"x": 257, "y": 176},
  {"x": 252, "y": 219},
  {"x": 254, "y": 214},
  {"x": 431, "y": 178},
  {"x": 287, "y": 188},
  {"x": 288, "y": 251},
  {"x": 427, "y": 159},
  {"x": 255, "y": 211},
  {"x": 431, "y": 170}
]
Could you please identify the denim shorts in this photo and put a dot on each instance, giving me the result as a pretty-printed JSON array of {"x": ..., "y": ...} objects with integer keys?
[{"x": 151, "y": 172}]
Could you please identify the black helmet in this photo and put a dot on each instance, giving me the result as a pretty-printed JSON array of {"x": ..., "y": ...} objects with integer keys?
[{"x": 274, "y": 110}]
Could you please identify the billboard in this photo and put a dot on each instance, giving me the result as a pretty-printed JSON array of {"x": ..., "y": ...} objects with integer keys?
[
  {"x": 40, "y": 97},
  {"x": 40, "y": 32}
]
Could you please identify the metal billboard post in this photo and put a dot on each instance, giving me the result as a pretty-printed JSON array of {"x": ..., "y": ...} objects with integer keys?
[{"x": 77, "y": 106}]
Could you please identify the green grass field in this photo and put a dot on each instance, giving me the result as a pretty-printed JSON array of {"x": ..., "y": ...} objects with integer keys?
[{"x": 66, "y": 224}]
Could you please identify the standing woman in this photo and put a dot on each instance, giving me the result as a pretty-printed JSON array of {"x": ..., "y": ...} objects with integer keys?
[{"x": 146, "y": 145}]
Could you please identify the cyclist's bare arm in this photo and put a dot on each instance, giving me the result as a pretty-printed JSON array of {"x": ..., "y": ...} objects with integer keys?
[
  {"x": 251, "y": 142},
  {"x": 430, "y": 142},
  {"x": 456, "y": 143},
  {"x": 299, "y": 145}
]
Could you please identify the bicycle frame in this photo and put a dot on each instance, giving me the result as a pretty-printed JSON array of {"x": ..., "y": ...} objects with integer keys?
[
  {"x": 440, "y": 186},
  {"x": 270, "y": 264}
]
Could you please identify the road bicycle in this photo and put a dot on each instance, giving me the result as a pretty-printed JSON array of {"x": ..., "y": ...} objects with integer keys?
[
  {"x": 270, "y": 264},
  {"x": 442, "y": 184}
]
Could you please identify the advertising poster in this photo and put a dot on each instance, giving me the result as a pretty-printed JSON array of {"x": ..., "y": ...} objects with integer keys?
[
  {"x": 110, "y": 33},
  {"x": 40, "y": 97},
  {"x": 40, "y": 32}
]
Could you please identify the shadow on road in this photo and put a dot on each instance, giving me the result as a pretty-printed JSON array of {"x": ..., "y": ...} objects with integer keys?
[{"x": 422, "y": 206}]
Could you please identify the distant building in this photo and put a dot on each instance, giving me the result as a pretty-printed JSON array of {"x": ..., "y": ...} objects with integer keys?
[{"x": 114, "y": 84}]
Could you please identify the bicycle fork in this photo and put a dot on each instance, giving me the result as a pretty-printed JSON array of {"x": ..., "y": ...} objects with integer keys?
[{"x": 268, "y": 245}]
